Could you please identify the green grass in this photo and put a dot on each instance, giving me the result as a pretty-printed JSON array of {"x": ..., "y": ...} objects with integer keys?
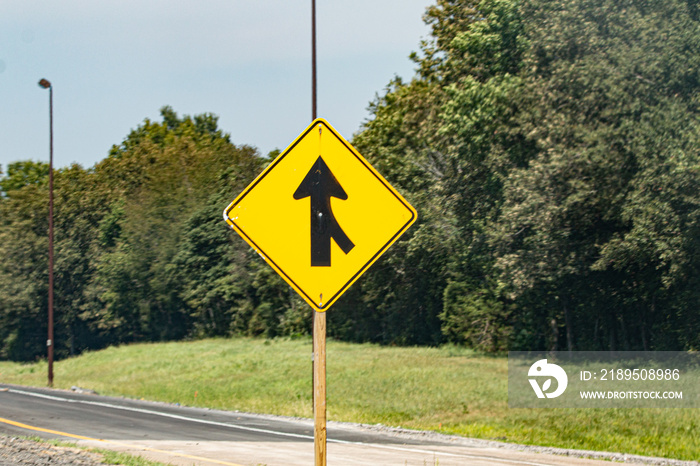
[
  {"x": 114, "y": 457},
  {"x": 448, "y": 389}
]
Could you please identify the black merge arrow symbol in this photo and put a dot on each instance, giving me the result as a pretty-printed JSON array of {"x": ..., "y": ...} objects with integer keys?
[{"x": 321, "y": 185}]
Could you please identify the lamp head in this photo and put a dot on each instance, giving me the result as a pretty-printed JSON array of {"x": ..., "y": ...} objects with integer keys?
[{"x": 44, "y": 83}]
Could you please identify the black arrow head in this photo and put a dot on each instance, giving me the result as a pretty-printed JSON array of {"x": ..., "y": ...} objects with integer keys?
[{"x": 320, "y": 183}]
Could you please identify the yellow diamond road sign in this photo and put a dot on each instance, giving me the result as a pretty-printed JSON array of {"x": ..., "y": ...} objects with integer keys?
[{"x": 320, "y": 215}]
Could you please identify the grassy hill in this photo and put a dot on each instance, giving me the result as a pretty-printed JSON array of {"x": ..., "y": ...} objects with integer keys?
[{"x": 448, "y": 389}]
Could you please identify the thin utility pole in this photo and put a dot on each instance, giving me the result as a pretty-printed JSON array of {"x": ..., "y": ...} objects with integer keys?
[{"x": 313, "y": 60}]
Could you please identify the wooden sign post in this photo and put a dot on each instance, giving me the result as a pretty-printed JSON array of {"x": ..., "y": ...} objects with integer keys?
[{"x": 319, "y": 388}]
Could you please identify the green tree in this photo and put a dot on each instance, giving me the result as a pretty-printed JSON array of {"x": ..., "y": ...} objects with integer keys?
[
  {"x": 551, "y": 150},
  {"x": 24, "y": 273},
  {"x": 162, "y": 178},
  {"x": 609, "y": 100},
  {"x": 21, "y": 174},
  {"x": 443, "y": 139}
]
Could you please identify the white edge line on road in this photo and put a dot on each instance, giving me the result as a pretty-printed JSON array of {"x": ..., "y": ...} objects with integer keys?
[{"x": 267, "y": 431}]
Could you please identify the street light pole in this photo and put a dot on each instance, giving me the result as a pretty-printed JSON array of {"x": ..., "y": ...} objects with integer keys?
[{"x": 49, "y": 343}]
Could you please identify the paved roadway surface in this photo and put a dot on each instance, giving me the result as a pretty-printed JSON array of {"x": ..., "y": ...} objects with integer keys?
[{"x": 186, "y": 436}]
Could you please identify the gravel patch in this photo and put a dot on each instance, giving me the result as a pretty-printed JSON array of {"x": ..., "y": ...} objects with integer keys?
[{"x": 15, "y": 450}]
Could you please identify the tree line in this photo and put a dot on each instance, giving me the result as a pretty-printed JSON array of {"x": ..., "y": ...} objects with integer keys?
[{"x": 551, "y": 148}]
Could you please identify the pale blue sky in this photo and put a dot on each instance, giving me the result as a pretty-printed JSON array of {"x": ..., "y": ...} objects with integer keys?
[{"x": 114, "y": 63}]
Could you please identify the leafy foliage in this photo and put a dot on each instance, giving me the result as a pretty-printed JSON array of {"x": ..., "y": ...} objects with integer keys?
[{"x": 551, "y": 147}]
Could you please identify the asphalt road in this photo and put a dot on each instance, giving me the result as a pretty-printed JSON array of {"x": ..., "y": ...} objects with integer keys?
[{"x": 184, "y": 435}]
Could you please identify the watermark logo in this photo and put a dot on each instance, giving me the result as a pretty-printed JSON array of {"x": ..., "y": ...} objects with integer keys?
[
  {"x": 543, "y": 369},
  {"x": 601, "y": 379}
]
